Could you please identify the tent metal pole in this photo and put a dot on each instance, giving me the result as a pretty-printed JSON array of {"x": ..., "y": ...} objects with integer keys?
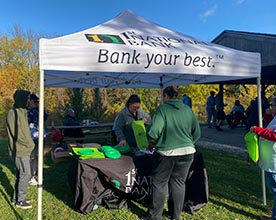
[
  {"x": 261, "y": 125},
  {"x": 40, "y": 145},
  {"x": 263, "y": 188}
]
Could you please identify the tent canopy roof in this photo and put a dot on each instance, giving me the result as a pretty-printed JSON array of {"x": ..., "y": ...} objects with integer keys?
[{"x": 130, "y": 51}]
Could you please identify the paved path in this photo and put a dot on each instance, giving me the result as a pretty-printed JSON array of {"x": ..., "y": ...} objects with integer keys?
[{"x": 229, "y": 140}]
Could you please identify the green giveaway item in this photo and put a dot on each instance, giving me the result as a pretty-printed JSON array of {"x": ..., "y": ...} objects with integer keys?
[
  {"x": 87, "y": 153},
  {"x": 110, "y": 152},
  {"x": 252, "y": 145},
  {"x": 123, "y": 149},
  {"x": 140, "y": 135},
  {"x": 117, "y": 183}
]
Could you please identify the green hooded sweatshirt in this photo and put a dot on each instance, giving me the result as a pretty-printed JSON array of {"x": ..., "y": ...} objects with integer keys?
[
  {"x": 20, "y": 141},
  {"x": 173, "y": 126}
]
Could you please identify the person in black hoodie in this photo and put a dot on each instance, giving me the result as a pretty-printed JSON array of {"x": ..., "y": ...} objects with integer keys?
[{"x": 20, "y": 146}]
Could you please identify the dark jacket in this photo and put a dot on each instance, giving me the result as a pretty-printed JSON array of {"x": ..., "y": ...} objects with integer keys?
[{"x": 72, "y": 132}]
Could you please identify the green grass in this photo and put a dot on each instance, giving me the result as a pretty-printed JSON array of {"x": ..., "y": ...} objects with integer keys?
[{"x": 234, "y": 192}]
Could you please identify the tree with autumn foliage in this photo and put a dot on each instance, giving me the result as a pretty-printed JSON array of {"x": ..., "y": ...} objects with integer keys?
[{"x": 18, "y": 67}]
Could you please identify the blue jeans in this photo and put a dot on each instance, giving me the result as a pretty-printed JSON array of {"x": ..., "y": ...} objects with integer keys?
[{"x": 271, "y": 184}]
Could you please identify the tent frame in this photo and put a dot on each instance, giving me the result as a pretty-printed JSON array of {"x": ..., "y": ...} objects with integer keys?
[
  {"x": 41, "y": 140},
  {"x": 55, "y": 72}
]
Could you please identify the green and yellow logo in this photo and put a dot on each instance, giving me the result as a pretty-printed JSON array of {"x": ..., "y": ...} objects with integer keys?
[{"x": 104, "y": 38}]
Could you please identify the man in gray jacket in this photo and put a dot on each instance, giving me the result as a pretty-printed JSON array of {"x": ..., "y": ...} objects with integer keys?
[{"x": 20, "y": 146}]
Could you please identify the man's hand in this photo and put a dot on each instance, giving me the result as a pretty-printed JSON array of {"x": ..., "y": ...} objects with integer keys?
[
  {"x": 150, "y": 146},
  {"x": 145, "y": 120},
  {"x": 122, "y": 142}
]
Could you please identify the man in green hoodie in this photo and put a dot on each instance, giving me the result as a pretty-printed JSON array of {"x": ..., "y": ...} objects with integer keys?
[
  {"x": 20, "y": 146},
  {"x": 173, "y": 131}
]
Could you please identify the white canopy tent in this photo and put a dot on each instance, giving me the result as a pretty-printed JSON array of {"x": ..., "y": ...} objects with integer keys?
[{"x": 132, "y": 52}]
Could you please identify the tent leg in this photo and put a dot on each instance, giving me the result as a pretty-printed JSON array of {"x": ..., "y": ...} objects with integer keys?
[
  {"x": 40, "y": 146},
  {"x": 261, "y": 125},
  {"x": 263, "y": 188}
]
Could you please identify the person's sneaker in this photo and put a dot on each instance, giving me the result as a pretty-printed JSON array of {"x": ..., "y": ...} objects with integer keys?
[
  {"x": 33, "y": 181},
  {"x": 23, "y": 205},
  {"x": 95, "y": 207},
  {"x": 26, "y": 200}
]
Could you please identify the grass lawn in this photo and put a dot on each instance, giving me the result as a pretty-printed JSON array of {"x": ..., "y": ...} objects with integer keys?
[{"x": 234, "y": 192}]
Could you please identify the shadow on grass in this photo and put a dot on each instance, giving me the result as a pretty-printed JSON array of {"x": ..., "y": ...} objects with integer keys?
[
  {"x": 55, "y": 181},
  {"x": 227, "y": 178},
  {"x": 17, "y": 216},
  {"x": 234, "y": 210},
  {"x": 135, "y": 209},
  {"x": 5, "y": 180},
  {"x": 6, "y": 161}
]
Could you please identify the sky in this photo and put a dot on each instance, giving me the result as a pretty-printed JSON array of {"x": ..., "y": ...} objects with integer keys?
[{"x": 202, "y": 19}]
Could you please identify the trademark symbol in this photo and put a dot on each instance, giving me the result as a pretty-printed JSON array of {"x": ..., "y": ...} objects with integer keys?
[{"x": 221, "y": 57}]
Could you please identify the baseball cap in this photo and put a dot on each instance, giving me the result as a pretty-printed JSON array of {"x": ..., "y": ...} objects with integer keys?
[
  {"x": 70, "y": 110},
  {"x": 34, "y": 97}
]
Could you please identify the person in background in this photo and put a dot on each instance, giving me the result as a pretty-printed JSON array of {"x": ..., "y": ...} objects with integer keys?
[
  {"x": 265, "y": 102},
  {"x": 70, "y": 120},
  {"x": 220, "y": 114},
  {"x": 33, "y": 115},
  {"x": 210, "y": 108},
  {"x": 20, "y": 146},
  {"x": 129, "y": 113},
  {"x": 268, "y": 116},
  {"x": 252, "y": 113},
  {"x": 267, "y": 154},
  {"x": 173, "y": 131},
  {"x": 187, "y": 100},
  {"x": 267, "y": 111},
  {"x": 237, "y": 115}
]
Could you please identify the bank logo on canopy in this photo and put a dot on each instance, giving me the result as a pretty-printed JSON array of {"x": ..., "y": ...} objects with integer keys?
[{"x": 104, "y": 38}]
